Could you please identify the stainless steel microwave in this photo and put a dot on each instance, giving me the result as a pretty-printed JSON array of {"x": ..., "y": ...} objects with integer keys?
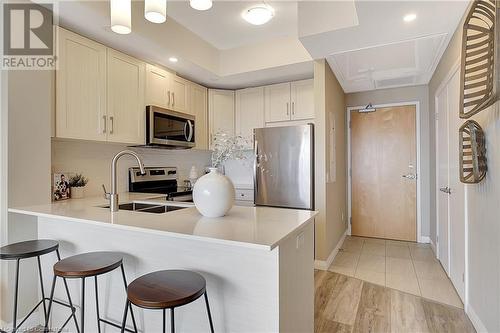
[{"x": 169, "y": 128}]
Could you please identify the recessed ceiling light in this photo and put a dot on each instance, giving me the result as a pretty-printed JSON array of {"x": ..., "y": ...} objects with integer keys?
[
  {"x": 173, "y": 59},
  {"x": 200, "y": 4},
  {"x": 155, "y": 10},
  {"x": 259, "y": 14},
  {"x": 409, "y": 17}
]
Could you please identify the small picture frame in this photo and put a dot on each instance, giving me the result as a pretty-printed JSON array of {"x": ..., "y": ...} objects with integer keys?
[{"x": 60, "y": 187}]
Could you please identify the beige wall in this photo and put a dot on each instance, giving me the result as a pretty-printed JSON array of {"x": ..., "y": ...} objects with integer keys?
[
  {"x": 482, "y": 202},
  {"x": 401, "y": 95},
  {"x": 330, "y": 197},
  {"x": 30, "y": 102}
]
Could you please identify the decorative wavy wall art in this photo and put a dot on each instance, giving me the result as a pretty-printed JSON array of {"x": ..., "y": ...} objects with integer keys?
[
  {"x": 473, "y": 165},
  {"x": 479, "y": 71}
]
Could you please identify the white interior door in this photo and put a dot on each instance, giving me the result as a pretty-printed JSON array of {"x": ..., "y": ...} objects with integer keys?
[
  {"x": 457, "y": 189},
  {"x": 442, "y": 178}
]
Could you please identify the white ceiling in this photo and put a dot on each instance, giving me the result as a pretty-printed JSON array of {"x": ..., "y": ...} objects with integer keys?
[{"x": 366, "y": 43}]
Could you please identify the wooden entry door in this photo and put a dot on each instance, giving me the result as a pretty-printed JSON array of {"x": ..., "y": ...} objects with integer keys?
[{"x": 384, "y": 166}]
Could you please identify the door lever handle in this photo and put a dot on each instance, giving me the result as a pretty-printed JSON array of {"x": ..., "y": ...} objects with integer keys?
[
  {"x": 410, "y": 176},
  {"x": 445, "y": 189}
]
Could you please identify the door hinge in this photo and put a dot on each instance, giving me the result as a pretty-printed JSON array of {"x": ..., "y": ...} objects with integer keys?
[
  {"x": 463, "y": 277},
  {"x": 437, "y": 239},
  {"x": 350, "y": 220},
  {"x": 350, "y": 172},
  {"x": 349, "y": 124}
]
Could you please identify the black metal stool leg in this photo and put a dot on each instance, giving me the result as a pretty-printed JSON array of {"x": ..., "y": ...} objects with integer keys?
[
  {"x": 172, "y": 321},
  {"x": 41, "y": 286},
  {"x": 73, "y": 310},
  {"x": 130, "y": 305},
  {"x": 209, "y": 313},
  {"x": 97, "y": 305},
  {"x": 46, "y": 327},
  {"x": 124, "y": 322},
  {"x": 14, "y": 318},
  {"x": 164, "y": 321},
  {"x": 82, "y": 307}
]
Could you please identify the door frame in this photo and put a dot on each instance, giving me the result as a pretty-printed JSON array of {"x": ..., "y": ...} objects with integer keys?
[
  {"x": 420, "y": 238},
  {"x": 442, "y": 85}
]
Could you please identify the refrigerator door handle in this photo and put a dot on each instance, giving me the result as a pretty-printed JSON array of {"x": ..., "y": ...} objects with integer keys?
[{"x": 255, "y": 168}]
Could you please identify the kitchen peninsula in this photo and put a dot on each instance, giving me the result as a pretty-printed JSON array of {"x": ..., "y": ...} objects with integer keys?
[{"x": 258, "y": 261}]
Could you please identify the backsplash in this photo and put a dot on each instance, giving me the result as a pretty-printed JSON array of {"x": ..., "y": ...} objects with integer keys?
[{"x": 93, "y": 159}]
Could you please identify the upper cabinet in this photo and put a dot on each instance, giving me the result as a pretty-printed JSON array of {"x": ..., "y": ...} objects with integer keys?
[
  {"x": 278, "y": 102},
  {"x": 220, "y": 112},
  {"x": 289, "y": 101},
  {"x": 125, "y": 96},
  {"x": 249, "y": 111},
  {"x": 81, "y": 88},
  {"x": 166, "y": 90},
  {"x": 157, "y": 83},
  {"x": 302, "y": 99},
  {"x": 198, "y": 106}
]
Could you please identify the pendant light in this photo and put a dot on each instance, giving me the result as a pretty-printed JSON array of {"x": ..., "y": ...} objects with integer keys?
[
  {"x": 200, "y": 4},
  {"x": 155, "y": 10},
  {"x": 121, "y": 16}
]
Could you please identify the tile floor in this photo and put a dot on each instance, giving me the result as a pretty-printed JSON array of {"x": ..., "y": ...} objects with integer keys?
[{"x": 405, "y": 266}]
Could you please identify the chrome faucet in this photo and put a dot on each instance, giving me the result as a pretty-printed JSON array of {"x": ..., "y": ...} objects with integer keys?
[{"x": 113, "y": 196}]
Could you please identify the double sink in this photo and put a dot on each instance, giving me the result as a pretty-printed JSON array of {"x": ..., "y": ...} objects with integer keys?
[{"x": 147, "y": 208}]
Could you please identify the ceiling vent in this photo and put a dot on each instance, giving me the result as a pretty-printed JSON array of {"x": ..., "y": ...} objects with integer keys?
[{"x": 395, "y": 82}]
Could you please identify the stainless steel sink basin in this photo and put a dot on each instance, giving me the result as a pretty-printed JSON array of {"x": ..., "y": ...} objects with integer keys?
[{"x": 146, "y": 208}]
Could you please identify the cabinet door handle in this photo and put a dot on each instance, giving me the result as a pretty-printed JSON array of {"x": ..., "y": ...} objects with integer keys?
[
  {"x": 287, "y": 109},
  {"x": 111, "y": 124},
  {"x": 168, "y": 92},
  {"x": 293, "y": 108},
  {"x": 104, "y": 124},
  {"x": 173, "y": 98}
]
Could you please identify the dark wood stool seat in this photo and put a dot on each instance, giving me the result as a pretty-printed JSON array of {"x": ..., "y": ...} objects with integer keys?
[
  {"x": 167, "y": 289},
  {"x": 88, "y": 264},
  {"x": 28, "y": 249}
]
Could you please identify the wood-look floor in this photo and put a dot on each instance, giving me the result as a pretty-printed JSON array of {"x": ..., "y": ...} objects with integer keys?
[{"x": 346, "y": 304}]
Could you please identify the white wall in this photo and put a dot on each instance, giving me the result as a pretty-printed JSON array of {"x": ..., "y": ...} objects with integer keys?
[
  {"x": 408, "y": 94},
  {"x": 482, "y": 202},
  {"x": 93, "y": 159}
]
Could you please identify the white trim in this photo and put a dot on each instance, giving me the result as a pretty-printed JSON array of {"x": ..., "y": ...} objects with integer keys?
[
  {"x": 325, "y": 264},
  {"x": 425, "y": 239},
  {"x": 420, "y": 237},
  {"x": 474, "y": 318}
]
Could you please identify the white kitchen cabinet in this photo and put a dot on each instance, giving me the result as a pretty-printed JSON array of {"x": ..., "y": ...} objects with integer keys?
[
  {"x": 198, "y": 107},
  {"x": 157, "y": 84},
  {"x": 179, "y": 90},
  {"x": 220, "y": 112},
  {"x": 277, "y": 102},
  {"x": 249, "y": 112},
  {"x": 80, "y": 88},
  {"x": 289, "y": 101},
  {"x": 125, "y": 98},
  {"x": 302, "y": 99}
]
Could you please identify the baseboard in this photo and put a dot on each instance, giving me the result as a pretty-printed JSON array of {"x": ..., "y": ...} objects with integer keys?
[
  {"x": 424, "y": 239},
  {"x": 32, "y": 322},
  {"x": 325, "y": 264},
  {"x": 476, "y": 322}
]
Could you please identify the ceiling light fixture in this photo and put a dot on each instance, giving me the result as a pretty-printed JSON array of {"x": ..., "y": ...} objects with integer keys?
[
  {"x": 259, "y": 14},
  {"x": 200, "y": 4},
  {"x": 155, "y": 10},
  {"x": 409, "y": 17},
  {"x": 173, "y": 59},
  {"x": 121, "y": 16}
]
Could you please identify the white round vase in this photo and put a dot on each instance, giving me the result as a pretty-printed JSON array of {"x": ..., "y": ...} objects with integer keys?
[{"x": 213, "y": 194}]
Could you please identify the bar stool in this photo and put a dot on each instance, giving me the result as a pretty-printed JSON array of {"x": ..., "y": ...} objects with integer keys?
[
  {"x": 31, "y": 249},
  {"x": 87, "y": 265},
  {"x": 167, "y": 289}
]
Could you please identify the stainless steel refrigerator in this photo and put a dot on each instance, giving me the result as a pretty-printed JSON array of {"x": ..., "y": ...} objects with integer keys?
[{"x": 284, "y": 166}]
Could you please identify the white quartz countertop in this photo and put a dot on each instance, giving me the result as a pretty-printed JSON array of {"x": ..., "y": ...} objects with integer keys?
[{"x": 256, "y": 227}]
